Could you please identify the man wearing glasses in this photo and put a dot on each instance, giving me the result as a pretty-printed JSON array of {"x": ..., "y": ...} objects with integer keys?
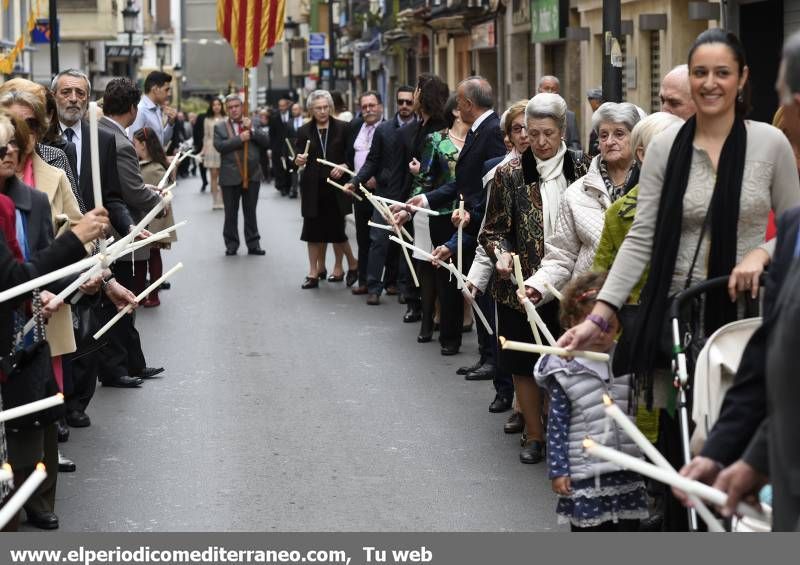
[{"x": 383, "y": 172}]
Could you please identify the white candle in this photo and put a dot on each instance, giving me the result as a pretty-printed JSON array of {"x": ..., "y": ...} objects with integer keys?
[
  {"x": 548, "y": 350},
  {"x": 406, "y": 205},
  {"x": 139, "y": 298},
  {"x": 521, "y": 287},
  {"x": 668, "y": 477},
  {"x": 138, "y": 228},
  {"x": 175, "y": 160},
  {"x": 12, "y": 507},
  {"x": 460, "y": 251},
  {"x": 32, "y": 407},
  {"x": 629, "y": 427},
  {"x": 333, "y": 165},
  {"x": 94, "y": 148},
  {"x": 46, "y": 279},
  {"x": 291, "y": 149},
  {"x": 6, "y": 474},
  {"x": 385, "y": 212},
  {"x": 305, "y": 153},
  {"x": 372, "y": 224},
  {"x": 553, "y": 290},
  {"x": 343, "y": 189},
  {"x": 536, "y": 321}
]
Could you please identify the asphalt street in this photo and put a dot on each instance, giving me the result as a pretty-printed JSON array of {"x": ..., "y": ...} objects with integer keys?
[{"x": 284, "y": 409}]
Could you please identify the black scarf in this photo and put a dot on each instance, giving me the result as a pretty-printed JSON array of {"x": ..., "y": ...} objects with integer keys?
[{"x": 724, "y": 220}]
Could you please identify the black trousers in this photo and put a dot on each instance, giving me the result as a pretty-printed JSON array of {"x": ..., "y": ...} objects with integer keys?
[
  {"x": 451, "y": 308},
  {"x": 123, "y": 355},
  {"x": 487, "y": 346},
  {"x": 83, "y": 370},
  {"x": 231, "y": 195},
  {"x": 362, "y": 213},
  {"x": 282, "y": 178},
  {"x": 203, "y": 176}
]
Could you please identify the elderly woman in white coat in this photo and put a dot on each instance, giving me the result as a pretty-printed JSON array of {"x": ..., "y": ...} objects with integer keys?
[{"x": 571, "y": 246}]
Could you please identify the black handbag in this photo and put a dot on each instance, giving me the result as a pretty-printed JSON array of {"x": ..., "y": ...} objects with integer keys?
[{"x": 30, "y": 377}]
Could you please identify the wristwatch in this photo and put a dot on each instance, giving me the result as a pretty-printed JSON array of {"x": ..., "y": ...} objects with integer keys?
[{"x": 106, "y": 282}]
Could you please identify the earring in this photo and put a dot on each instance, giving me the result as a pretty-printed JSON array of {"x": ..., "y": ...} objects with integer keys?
[{"x": 740, "y": 97}]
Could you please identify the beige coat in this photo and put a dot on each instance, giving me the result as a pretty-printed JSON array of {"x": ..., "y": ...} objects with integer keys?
[{"x": 65, "y": 213}]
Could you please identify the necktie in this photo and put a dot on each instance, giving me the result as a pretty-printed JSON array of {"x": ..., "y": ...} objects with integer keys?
[
  {"x": 470, "y": 137},
  {"x": 70, "y": 133}
]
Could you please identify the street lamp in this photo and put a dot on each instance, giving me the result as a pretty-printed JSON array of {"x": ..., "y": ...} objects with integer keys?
[
  {"x": 331, "y": 45},
  {"x": 268, "y": 58},
  {"x": 161, "y": 52},
  {"x": 130, "y": 16},
  {"x": 289, "y": 31}
]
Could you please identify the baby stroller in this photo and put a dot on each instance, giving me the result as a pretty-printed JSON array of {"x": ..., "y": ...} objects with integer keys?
[{"x": 712, "y": 362}]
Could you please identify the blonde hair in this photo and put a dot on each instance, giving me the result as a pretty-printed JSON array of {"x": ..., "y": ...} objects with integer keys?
[
  {"x": 645, "y": 130},
  {"x": 6, "y": 128},
  {"x": 26, "y": 93},
  {"x": 511, "y": 114}
]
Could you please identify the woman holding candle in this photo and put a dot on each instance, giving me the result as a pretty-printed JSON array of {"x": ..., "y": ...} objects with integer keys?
[
  {"x": 211, "y": 157},
  {"x": 594, "y": 496},
  {"x": 437, "y": 167},
  {"x": 522, "y": 202},
  {"x": 717, "y": 166},
  {"x": 153, "y": 163},
  {"x": 323, "y": 207}
]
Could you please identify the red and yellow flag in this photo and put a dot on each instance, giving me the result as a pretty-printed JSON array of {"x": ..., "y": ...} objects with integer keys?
[{"x": 251, "y": 27}]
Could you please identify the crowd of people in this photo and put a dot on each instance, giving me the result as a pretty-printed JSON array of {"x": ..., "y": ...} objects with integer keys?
[
  {"x": 49, "y": 220},
  {"x": 605, "y": 237}
]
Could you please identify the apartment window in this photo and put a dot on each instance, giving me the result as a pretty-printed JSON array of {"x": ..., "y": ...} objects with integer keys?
[{"x": 655, "y": 71}]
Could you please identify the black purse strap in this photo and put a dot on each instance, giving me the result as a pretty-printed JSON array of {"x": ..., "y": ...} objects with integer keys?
[{"x": 703, "y": 230}]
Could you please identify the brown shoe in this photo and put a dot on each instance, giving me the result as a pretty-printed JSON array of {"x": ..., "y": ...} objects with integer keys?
[
  {"x": 515, "y": 423},
  {"x": 373, "y": 299},
  {"x": 357, "y": 290},
  {"x": 391, "y": 290}
]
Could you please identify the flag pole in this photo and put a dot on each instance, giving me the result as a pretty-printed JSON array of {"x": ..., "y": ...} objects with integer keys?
[{"x": 246, "y": 83}]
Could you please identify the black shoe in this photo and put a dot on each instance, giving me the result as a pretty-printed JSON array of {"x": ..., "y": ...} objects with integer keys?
[
  {"x": 482, "y": 373},
  {"x": 123, "y": 382},
  {"x": 310, "y": 282},
  {"x": 150, "y": 372},
  {"x": 465, "y": 370},
  {"x": 256, "y": 251},
  {"x": 500, "y": 404},
  {"x": 166, "y": 285},
  {"x": 229, "y": 252},
  {"x": 532, "y": 453},
  {"x": 515, "y": 423},
  {"x": 43, "y": 520},
  {"x": 425, "y": 337},
  {"x": 203, "y": 188},
  {"x": 450, "y": 350},
  {"x": 323, "y": 276},
  {"x": 413, "y": 314},
  {"x": 63, "y": 430},
  {"x": 466, "y": 329},
  {"x": 401, "y": 299},
  {"x": 373, "y": 299},
  {"x": 352, "y": 277},
  {"x": 293, "y": 194},
  {"x": 78, "y": 419},
  {"x": 65, "y": 465}
]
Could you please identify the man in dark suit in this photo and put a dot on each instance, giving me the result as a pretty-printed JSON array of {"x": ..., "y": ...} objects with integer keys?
[
  {"x": 755, "y": 437},
  {"x": 230, "y": 136},
  {"x": 279, "y": 125},
  {"x": 198, "y": 128}
]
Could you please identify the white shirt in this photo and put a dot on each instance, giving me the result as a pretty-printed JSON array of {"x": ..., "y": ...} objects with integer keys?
[
  {"x": 476, "y": 124},
  {"x": 76, "y": 140}
]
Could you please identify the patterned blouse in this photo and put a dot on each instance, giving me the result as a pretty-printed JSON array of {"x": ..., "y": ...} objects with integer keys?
[
  {"x": 514, "y": 217},
  {"x": 437, "y": 166}
]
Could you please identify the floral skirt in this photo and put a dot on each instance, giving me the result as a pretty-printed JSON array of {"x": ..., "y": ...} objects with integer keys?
[{"x": 618, "y": 496}]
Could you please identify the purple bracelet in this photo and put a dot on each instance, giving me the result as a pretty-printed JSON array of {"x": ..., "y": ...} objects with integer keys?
[{"x": 600, "y": 322}]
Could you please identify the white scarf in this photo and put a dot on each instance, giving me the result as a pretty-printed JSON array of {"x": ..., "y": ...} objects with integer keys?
[{"x": 552, "y": 185}]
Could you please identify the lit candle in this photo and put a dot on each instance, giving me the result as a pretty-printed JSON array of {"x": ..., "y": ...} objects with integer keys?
[
  {"x": 460, "y": 254},
  {"x": 139, "y": 298},
  {"x": 553, "y": 290},
  {"x": 12, "y": 507},
  {"x": 343, "y": 189},
  {"x": 623, "y": 421},
  {"x": 31, "y": 407},
  {"x": 668, "y": 477},
  {"x": 549, "y": 350},
  {"x": 6, "y": 474},
  {"x": 94, "y": 148}
]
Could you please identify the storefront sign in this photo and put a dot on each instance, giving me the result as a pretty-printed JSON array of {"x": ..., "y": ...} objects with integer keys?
[
  {"x": 545, "y": 20},
  {"x": 521, "y": 12},
  {"x": 123, "y": 50},
  {"x": 483, "y": 36},
  {"x": 317, "y": 47}
]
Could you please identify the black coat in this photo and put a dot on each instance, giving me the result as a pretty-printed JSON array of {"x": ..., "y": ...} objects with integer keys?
[
  {"x": 387, "y": 161},
  {"x": 315, "y": 173},
  {"x": 118, "y": 212},
  {"x": 278, "y": 132}
]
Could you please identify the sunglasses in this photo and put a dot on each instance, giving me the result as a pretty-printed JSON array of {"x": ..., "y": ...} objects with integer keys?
[
  {"x": 6, "y": 149},
  {"x": 32, "y": 123},
  {"x": 404, "y": 102}
]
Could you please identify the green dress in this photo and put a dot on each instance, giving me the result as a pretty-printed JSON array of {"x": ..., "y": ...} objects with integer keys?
[{"x": 437, "y": 167}]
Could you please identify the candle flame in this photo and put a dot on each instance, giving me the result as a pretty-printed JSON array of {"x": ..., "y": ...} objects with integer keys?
[
  {"x": 60, "y": 395},
  {"x": 6, "y": 467},
  {"x": 588, "y": 443},
  {"x": 607, "y": 400},
  {"x": 40, "y": 466}
]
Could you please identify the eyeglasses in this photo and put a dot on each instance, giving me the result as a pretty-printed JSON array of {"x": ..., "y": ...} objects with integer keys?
[
  {"x": 518, "y": 128},
  {"x": 10, "y": 147},
  {"x": 405, "y": 102}
]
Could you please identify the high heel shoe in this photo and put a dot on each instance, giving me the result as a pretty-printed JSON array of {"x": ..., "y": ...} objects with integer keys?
[
  {"x": 336, "y": 278},
  {"x": 310, "y": 282},
  {"x": 323, "y": 276},
  {"x": 352, "y": 277}
]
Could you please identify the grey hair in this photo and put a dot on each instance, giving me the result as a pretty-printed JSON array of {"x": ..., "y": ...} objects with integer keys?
[
  {"x": 547, "y": 105},
  {"x": 316, "y": 95},
  {"x": 791, "y": 63},
  {"x": 232, "y": 97},
  {"x": 550, "y": 77},
  {"x": 478, "y": 89},
  {"x": 74, "y": 73},
  {"x": 644, "y": 131},
  {"x": 616, "y": 113}
]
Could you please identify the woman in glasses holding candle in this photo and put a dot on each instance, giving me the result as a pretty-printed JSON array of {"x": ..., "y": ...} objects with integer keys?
[{"x": 523, "y": 201}]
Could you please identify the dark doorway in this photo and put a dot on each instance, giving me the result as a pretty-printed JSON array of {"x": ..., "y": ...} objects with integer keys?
[{"x": 761, "y": 32}]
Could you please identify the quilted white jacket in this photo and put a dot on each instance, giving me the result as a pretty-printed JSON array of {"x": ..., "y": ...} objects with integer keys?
[{"x": 570, "y": 250}]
